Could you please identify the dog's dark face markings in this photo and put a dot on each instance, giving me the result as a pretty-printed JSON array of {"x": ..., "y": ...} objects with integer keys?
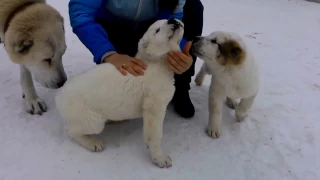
[
  {"x": 219, "y": 47},
  {"x": 166, "y": 29}
]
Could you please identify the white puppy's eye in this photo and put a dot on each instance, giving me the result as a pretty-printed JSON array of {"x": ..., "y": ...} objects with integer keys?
[
  {"x": 157, "y": 30},
  {"x": 48, "y": 60}
]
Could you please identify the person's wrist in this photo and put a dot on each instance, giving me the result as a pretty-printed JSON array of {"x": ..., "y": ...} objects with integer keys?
[{"x": 109, "y": 58}]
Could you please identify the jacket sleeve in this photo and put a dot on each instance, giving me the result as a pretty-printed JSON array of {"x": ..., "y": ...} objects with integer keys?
[
  {"x": 82, "y": 15},
  {"x": 177, "y": 14}
]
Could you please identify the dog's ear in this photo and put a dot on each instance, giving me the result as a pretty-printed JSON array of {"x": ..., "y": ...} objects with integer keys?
[
  {"x": 23, "y": 46},
  {"x": 232, "y": 53},
  {"x": 236, "y": 52},
  {"x": 62, "y": 22}
]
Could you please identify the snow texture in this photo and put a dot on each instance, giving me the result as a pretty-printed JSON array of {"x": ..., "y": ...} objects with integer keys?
[{"x": 279, "y": 139}]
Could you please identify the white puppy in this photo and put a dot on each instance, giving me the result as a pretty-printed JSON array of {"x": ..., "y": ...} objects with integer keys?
[
  {"x": 89, "y": 100},
  {"x": 235, "y": 75}
]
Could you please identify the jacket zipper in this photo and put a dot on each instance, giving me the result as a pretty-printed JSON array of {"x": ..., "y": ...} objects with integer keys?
[{"x": 139, "y": 10}]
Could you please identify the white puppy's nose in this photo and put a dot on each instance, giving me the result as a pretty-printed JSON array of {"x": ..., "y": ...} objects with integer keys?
[
  {"x": 172, "y": 21},
  {"x": 175, "y": 23}
]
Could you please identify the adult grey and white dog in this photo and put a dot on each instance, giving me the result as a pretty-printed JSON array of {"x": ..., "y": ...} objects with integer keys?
[{"x": 34, "y": 37}]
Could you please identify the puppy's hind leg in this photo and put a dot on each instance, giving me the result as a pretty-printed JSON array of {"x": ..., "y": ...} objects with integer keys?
[
  {"x": 83, "y": 127},
  {"x": 243, "y": 107},
  {"x": 201, "y": 75},
  {"x": 88, "y": 141},
  {"x": 153, "y": 116},
  {"x": 33, "y": 104}
]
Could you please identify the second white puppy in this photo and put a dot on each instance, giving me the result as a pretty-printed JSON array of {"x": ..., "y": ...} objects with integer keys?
[
  {"x": 235, "y": 75},
  {"x": 89, "y": 100}
]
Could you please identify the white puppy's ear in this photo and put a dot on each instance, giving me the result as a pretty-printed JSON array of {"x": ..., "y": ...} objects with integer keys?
[
  {"x": 23, "y": 46},
  {"x": 232, "y": 53}
]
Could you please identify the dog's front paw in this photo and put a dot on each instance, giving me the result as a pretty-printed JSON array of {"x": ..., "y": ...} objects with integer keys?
[
  {"x": 34, "y": 105},
  {"x": 213, "y": 132},
  {"x": 241, "y": 117},
  {"x": 162, "y": 161}
]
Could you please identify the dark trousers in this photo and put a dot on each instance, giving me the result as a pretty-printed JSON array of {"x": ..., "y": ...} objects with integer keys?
[{"x": 125, "y": 40}]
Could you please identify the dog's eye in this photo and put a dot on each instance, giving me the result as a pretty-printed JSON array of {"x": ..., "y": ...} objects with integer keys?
[
  {"x": 157, "y": 30},
  {"x": 214, "y": 41},
  {"x": 48, "y": 61}
]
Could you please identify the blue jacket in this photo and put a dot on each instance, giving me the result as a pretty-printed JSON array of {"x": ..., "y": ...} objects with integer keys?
[{"x": 84, "y": 13}]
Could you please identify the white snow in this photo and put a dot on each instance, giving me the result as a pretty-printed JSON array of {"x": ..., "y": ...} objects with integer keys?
[{"x": 279, "y": 139}]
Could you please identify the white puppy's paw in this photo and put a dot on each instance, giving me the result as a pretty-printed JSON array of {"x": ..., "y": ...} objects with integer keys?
[
  {"x": 240, "y": 115},
  {"x": 34, "y": 105},
  {"x": 89, "y": 142},
  {"x": 199, "y": 79},
  {"x": 213, "y": 132},
  {"x": 92, "y": 143},
  {"x": 95, "y": 145},
  {"x": 162, "y": 161}
]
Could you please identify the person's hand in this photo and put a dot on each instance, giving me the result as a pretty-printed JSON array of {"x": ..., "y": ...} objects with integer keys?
[
  {"x": 179, "y": 62},
  {"x": 125, "y": 64}
]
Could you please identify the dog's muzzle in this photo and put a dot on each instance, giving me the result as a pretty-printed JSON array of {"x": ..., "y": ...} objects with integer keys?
[
  {"x": 196, "y": 39},
  {"x": 196, "y": 43}
]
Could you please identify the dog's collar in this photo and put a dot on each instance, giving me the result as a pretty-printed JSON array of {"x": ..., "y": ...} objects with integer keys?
[{"x": 15, "y": 12}]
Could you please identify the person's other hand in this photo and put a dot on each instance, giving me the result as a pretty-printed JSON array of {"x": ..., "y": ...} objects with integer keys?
[
  {"x": 125, "y": 64},
  {"x": 179, "y": 62}
]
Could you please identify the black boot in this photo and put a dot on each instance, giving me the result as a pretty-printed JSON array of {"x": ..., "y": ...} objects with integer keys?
[
  {"x": 182, "y": 103},
  {"x": 193, "y": 24}
]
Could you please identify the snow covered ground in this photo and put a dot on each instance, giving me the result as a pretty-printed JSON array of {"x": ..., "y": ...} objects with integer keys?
[{"x": 279, "y": 140}]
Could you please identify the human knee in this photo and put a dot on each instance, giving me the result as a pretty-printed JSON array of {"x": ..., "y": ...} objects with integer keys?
[
  {"x": 198, "y": 6},
  {"x": 195, "y": 5}
]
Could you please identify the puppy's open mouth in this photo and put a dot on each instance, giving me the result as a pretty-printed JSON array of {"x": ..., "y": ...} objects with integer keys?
[{"x": 175, "y": 28}]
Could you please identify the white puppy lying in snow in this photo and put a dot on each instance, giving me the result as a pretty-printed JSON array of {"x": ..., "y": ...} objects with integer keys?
[
  {"x": 235, "y": 75},
  {"x": 89, "y": 100}
]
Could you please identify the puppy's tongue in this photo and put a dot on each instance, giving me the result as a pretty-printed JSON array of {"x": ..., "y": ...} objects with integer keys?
[{"x": 187, "y": 48}]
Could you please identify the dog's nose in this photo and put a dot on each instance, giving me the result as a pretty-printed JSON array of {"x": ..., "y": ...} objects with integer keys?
[
  {"x": 175, "y": 23},
  {"x": 172, "y": 21},
  {"x": 60, "y": 84}
]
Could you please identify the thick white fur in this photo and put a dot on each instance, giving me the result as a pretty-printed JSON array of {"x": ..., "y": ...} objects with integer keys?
[
  {"x": 228, "y": 81},
  {"x": 89, "y": 100},
  {"x": 38, "y": 31}
]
